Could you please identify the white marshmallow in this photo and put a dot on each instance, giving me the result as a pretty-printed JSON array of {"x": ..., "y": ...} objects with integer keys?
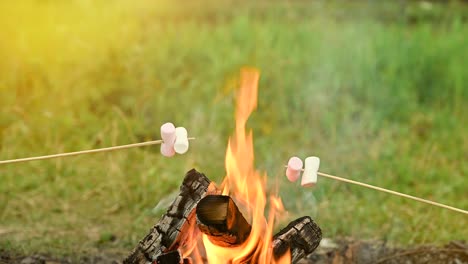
[
  {"x": 168, "y": 135},
  {"x": 293, "y": 172},
  {"x": 181, "y": 143},
  {"x": 309, "y": 177}
]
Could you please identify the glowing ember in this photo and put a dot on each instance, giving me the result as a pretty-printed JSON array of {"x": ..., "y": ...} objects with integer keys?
[{"x": 247, "y": 186}]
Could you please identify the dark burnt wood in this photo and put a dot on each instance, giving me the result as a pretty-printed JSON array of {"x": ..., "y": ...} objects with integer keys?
[
  {"x": 171, "y": 257},
  {"x": 177, "y": 224},
  {"x": 302, "y": 236},
  {"x": 219, "y": 218}
]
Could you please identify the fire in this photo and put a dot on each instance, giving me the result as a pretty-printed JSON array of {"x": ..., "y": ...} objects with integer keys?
[{"x": 247, "y": 186}]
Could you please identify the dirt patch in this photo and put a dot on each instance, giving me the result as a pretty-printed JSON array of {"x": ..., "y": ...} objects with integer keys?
[
  {"x": 11, "y": 258},
  {"x": 329, "y": 252},
  {"x": 352, "y": 251}
]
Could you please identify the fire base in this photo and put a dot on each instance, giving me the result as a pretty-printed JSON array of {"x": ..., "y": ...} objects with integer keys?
[{"x": 219, "y": 218}]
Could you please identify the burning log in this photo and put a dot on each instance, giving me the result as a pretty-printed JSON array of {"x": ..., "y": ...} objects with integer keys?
[
  {"x": 171, "y": 257},
  {"x": 200, "y": 205},
  {"x": 220, "y": 219},
  {"x": 302, "y": 236},
  {"x": 176, "y": 225}
]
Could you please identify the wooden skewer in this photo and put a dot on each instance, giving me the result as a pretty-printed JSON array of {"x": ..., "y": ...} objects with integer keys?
[
  {"x": 392, "y": 192},
  {"x": 68, "y": 154}
]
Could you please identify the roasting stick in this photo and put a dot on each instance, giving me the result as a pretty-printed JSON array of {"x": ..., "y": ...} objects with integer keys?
[
  {"x": 380, "y": 189},
  {"x": 174, "y": 140},
  {"x": 90, "y": 151},
  {"x": 393, "y": 192}
]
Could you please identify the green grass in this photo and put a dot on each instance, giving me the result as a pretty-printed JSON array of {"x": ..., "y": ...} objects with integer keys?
[{"x": 379, "y": 94}]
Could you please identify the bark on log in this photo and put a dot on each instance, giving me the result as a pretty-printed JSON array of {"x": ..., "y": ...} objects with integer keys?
[
  {"x": 188, "y": 261},
  {"x": 174, "y": 227},
  {"x": 302, "y": 236},
  {"x": 220, "y": 219},
  {"x": 172, "y": 257}
]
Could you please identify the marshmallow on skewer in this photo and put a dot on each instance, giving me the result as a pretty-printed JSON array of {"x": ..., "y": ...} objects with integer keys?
[
  {"x": 167, "y": 150},
  {"x": 293, "y": 172},
  {"x": 309, "y": 177},
  {"x": 181, "y": 143},
  {"x": 168, "y": 135}
]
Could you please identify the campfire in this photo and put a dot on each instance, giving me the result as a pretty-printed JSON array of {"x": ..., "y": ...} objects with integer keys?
[{"x": 214, "y": 224}]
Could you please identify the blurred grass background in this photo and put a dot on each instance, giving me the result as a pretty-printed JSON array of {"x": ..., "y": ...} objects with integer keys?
[{"x": 377, "y": 90}]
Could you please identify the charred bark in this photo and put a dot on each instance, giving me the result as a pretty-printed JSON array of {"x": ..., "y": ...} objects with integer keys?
[
  {"x": 219, "y": 218},
  {"x": 176, "y": 225},
  {"x": 302, "y": 236},
  {"x": 172, "y": 257}
]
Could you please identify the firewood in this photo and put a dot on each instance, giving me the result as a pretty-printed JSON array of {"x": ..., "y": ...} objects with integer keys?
[
  {"x": 174, "y": 227},
  {"x": 220, "y": 219},
  {"x": 171, "y": 257},
  {"x": 302, "y": 236}
]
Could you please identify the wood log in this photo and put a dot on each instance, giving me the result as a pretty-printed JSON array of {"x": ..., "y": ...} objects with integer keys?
[
  {"x": 302, "y": 236},
  {"x": 219, "y": 218},
  {"x": 171, "y": 257},
  {"x": 176, "y": 225}
]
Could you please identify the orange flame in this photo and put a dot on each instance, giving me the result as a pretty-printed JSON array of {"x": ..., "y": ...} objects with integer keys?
[{"x": 247, "y": 186}]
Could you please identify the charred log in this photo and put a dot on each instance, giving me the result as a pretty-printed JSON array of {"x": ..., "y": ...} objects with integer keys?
[
  {"x": 219, "y": 218},
  {"x": 301, "y": 237},
  {"x": 176, "y": 225},
  {"x": 171, "y": 257}
]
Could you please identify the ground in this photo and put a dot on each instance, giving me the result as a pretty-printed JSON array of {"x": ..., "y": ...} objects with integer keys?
[
  {"x": 329, "y": 252},
  {"x": 377, "y": 91}
]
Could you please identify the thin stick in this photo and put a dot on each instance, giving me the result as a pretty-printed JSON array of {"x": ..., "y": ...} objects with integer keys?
[
  {"x": 68, "y": 154},
  {"x": 393, "y": 192}
]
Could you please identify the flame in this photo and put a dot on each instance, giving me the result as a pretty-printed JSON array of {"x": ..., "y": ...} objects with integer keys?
[{"x": 247, "y": 186}]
